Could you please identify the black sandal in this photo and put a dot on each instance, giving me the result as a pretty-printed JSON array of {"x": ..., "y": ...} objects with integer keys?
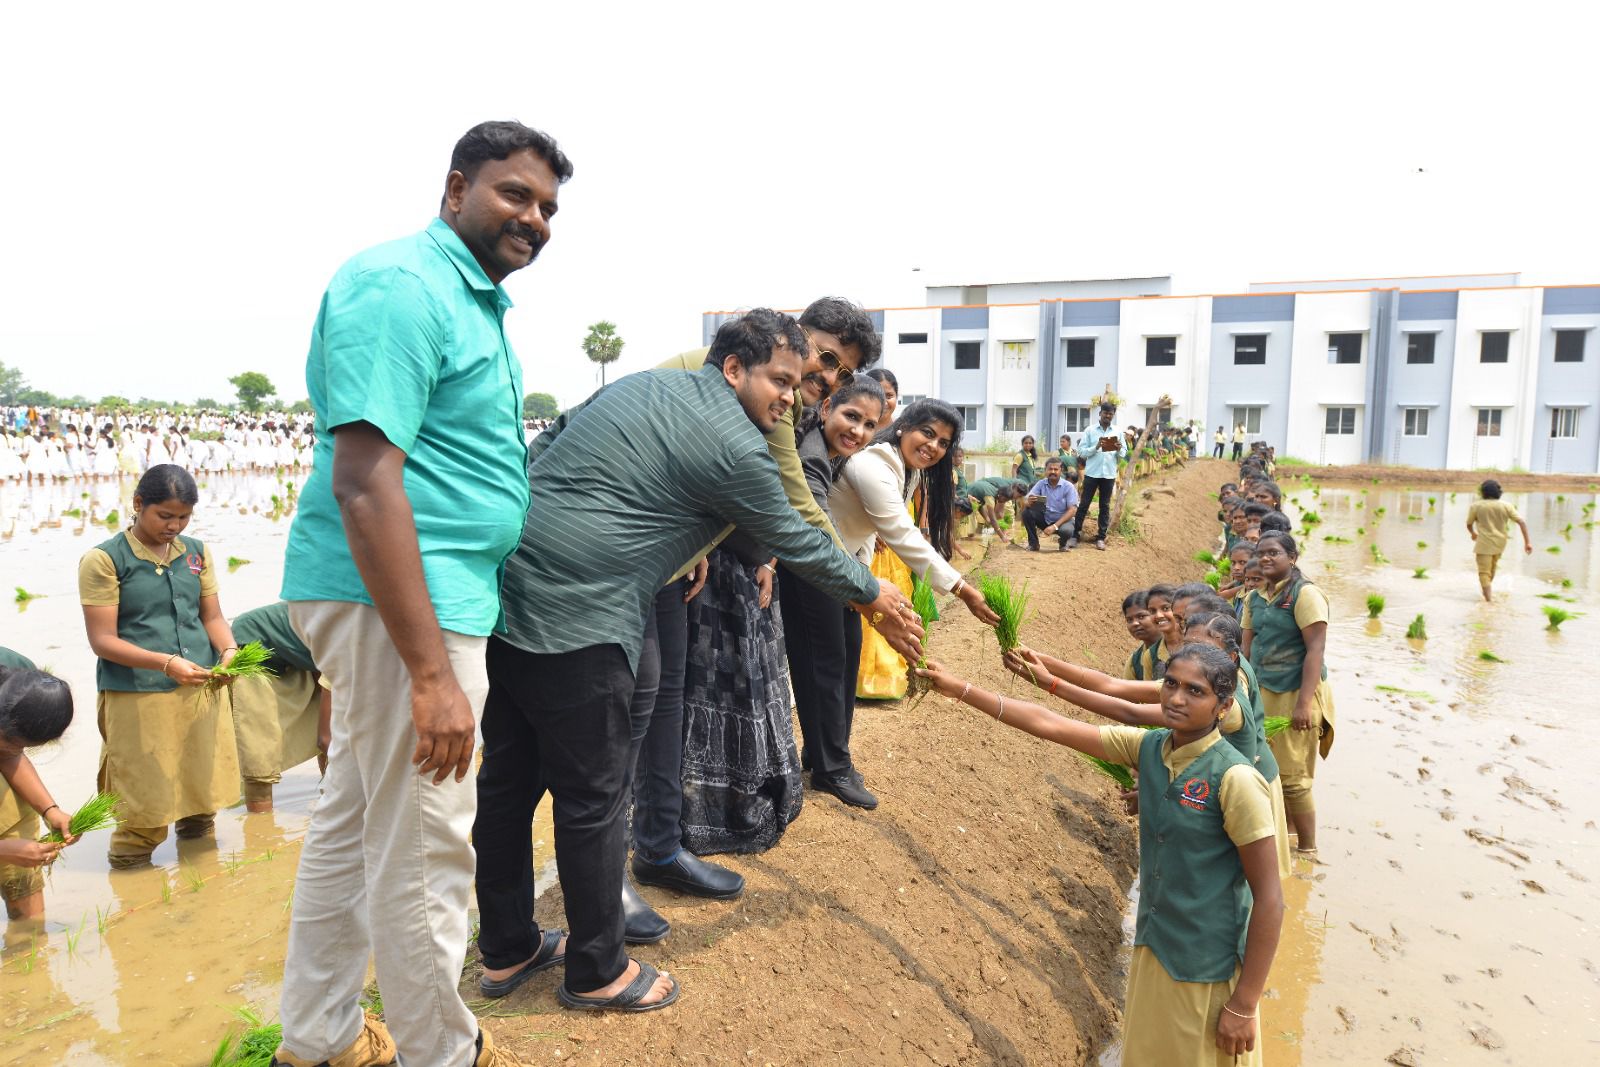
[
  {"x": 625, "y": 1001},
  {"x": 544, "y": 959}
]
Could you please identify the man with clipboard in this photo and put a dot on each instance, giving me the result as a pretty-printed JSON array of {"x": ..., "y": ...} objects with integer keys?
[{"x": 1100, "y": 449}]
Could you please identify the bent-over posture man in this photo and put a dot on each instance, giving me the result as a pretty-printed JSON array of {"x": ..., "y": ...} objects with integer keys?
[{"x": 416, "y": 498}]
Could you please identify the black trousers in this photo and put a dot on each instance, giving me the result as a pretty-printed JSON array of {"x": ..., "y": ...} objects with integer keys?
[
  {"x": 1238, "y": 449},
  {"x": 1091, "y": 486},
  {"x": 1033, "y": 519},
  {"x": 565, "y": 722},
  {"x": 658, "y": 772},
  {"x": 823, "y": 641},
  {"x": 1216, "y": 453}
]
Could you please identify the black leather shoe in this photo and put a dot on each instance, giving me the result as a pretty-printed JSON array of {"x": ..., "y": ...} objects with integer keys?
[
  {"x": 847, "y": 786},
  {"x": 688, "y": 873},
  {"x": 640, "y": 923}
]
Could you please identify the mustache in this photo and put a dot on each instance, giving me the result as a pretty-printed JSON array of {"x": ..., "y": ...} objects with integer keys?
[
  {"x": 819, "y": 381},
  {"x": 526, "y": 233}
]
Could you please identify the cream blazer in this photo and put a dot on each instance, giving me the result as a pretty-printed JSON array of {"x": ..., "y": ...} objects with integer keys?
[{"x": 869, "y": 500}]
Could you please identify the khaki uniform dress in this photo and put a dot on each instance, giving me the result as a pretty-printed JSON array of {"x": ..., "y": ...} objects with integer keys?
[
  {"x": 1297, "y": 750},
  {"x": 1492, "y": 521},
  {"x": 274, "y": 718},
  {"x": 168, "y": 754},
  {"x": 1172, "y": 1023},
  {"x": 18, "y": 821}
]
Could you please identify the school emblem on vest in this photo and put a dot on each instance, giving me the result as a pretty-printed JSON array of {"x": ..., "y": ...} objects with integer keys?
[
  {"x": 196, "y": 562},
  {"x": 1195, "y": 793}
]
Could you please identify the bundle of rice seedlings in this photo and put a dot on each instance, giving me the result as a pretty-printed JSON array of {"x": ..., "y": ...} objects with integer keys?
[
  {"x": 1418, "y": 630},
  {"x": 249, "y": 662},
  {"x": 1114, "y": 771},
  {"x": 1374, "y": 605},
  {"x": 1419, "y": 572},
  {"x": 1377, "y": 554},
  {"x": 23, "y": 596},
  {"x": 1431, "y": 502},
  {"x": 922, "y": 598},
  {"x": 234, "y": 563},
  {"x": 1309, "y": 518},
  {"x": 1422, "y": 544},
  {"x": 254, "y": 1047},
  {"x": 1335, "y": 539},
  {"x": 97, "y": 813},
  {"x": 1213, "y": 578},
  {"x": 1009, "y": 601},
  {"x": 112, "y": 519},
  {"x": 1489, "y": 657},
  {"x": 1207, "y": 557},
  {"x": 1557, "y": 616},
  {"x": 1566, "y": 583},
  {"x": 1275, "y": 724},
  {"x": 1554, "y": 550}
]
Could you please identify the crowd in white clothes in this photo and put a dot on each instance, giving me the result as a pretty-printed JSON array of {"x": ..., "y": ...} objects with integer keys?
[{"x": 45, "y": 444}]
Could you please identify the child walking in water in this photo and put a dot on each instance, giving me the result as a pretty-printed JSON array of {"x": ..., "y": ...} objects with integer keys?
[
  {"x": 1489, "y": 522},
  {"x": 1210, "y": 899},
  {"x": 151, "y": 611},
  {"x": 1285, "y": 632},
  {"x": 35, "y": 708}
]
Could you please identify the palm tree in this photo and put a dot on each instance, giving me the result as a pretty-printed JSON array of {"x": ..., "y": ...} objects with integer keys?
[{"x": 603, "y": 346}]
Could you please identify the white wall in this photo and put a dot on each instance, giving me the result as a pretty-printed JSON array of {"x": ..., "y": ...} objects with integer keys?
[
  {"x": 1189, "y": 320},
  {"x": 916, "y": 366},
  {"x": 1509, "y": 385},
  {"x": 1315, "y": 384},
  {"x": 1013, "y": 388}
]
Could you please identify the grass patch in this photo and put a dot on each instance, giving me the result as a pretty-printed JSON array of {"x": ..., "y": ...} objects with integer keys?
[
  {"x": 1374, "y": 605},
  {"x": 97, "y": 813},
  {"x": 1418, "y": 630},
  {"x": 1008, "y": 600}
]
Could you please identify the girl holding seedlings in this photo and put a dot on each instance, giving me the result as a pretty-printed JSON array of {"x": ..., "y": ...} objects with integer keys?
[
  {"x": 1285, "y": 633},
  {"x": 1210, "y": 898},
  {"x": 868, "y": 501},
  {"x": 35, "y": 708},
  {"x": 153, "y": 618}
]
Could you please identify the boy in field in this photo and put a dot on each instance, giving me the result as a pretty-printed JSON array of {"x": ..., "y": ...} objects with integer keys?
[{"x": 1489, "y": 522}]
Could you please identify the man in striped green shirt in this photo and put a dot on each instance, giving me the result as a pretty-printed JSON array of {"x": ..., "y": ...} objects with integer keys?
[{"x": 597, "y": 546}]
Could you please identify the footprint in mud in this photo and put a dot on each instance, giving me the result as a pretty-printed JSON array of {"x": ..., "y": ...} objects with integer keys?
[
  {"x": 1495, "y": 841},
  {"x": 1423, "y": 774},
  {"x": 1532, "y": 886},
  {"x": 1518, "y": 787},
  {"x": 1484, "y": 1037},
  {"x": 1347, "y": 1017},
  {"x": 1570, "y": 873}
]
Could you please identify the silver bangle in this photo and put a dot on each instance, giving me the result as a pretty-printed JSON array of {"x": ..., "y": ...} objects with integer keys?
[
  {"x": 1000, "y": 709},
  {"x": 768, "y": 567}
]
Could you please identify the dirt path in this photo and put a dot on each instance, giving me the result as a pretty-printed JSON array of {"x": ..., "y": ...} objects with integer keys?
[{"x": 974, "y": 918}]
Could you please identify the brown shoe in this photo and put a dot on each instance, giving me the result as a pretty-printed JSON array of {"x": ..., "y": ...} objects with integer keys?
[
  {"x": 489, "y": 1056},
  {"x": 373, "y": 1047}
]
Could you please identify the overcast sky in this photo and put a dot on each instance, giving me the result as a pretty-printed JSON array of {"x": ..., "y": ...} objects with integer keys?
[{"x": 184, "y": 179}]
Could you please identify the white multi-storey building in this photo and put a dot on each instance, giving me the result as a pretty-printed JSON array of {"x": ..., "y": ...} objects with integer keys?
[{"x": 1464, "y": 372}]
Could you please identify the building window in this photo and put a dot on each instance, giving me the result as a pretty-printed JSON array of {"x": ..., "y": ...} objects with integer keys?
[
  {"x": 1074, "y": 420},
  {"x": 1416, "y": 422},
  {"x": 969, "y": 419},
  {"x": 1014, "y": 420},
  {"x": 1250, "y": 418},
  {"x": 1344, "y": 348},
  {"x": 967, "y": 357},
  {"x": 1160, "y": 351},
  {"x": 1564, "y": 422},
  {"x": 1080, "y": 351},
  {"x": 1249, "y": 348},
  {"x": 905, "y": 400},
  {"x": 1494, "y": 346},
  {"x": 1016, "y": 355},
  {"x": 1419, "y": 347},
  {"x": 913, "y": 339},
  {"x": 1489, "y": 422},
  {"x": 1569, "y": 346},
  {"x": 1341, "y": 421}
]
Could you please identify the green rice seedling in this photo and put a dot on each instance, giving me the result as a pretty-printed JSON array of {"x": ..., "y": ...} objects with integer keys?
[
  {"x": 234, "y": 563},
  {"x": 1206, "y": 556},
  {"x": 73, "y": 936},
  {"x": 193, "y": 878},
  {"x": 1566, "y": 583},
  {"x": 1380, "y": 512},
  {"x": 1418, "y": 630},
  {"x": 1431, "y": 501},
  {"x": 1560, "y": 499},
  {"x": 1114, "y": 771},
  {"x": 1275, "y": 724},
  {"x": 97, "y": 813},
  {"x": 23, "y": 596},
  {"x": 73, "y": 513},
  {"x": 1309, "y": 518},
  {"x": 1419, "y": 572},
  {"x": 1377, "y": 554},
  {"x": 83, "y": 496},
  {"x": 1551, "y": 596},
  {"x": 166, "y": 891},
  {"x": 1452, "y": 498},
  {"x": 1557, "y": 616},
  {"x": 927, "y": 606},
  {"x": 112, "y": 519},
  {"x": 1587, "y": 508},
  {"x": 1413, "y": 518},
  {"x": 1361, "y": 531},
  {"x": 1335, "y": 539},
  {"x": 1224, "y": 566},
  {"x": 1360, "y": 504},
  {"x": 254, "y": 1047},
  {"x": 1009, "y": 601},
  {"x": 1422, "y": 544},
  {"x": 249, "y": 662},
  {"x": 1374, "y": 605},
  {"x": 1213, "y": 578},
  {"x": 372, "y": 999},
  {"x": 1415, "y": 694},
  {"x": 1554, "y": 550},
  {"x": 1489, "y": 657},
  {"x": 1566, "y": 531}
]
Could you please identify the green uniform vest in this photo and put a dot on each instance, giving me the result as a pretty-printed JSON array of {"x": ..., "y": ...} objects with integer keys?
[
  {"x": 984, "y": 488},
  {"x": 157, "y": 612},
  {"x": 9, "y": 658},
  {"x": 270, "y": 626},
  {"x": 1194, "y": 902},
  {"x": 1251, "y": 738},
  {"x": 1278, "y": 651},
  {"x": 1026, "y": 471},
  {"x": 1136, "y": 664}
]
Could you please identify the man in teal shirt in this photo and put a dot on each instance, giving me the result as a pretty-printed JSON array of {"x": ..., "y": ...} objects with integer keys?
[
  {"x": 416, "y": 497},
  {"x": 576, "y": 596},
  {"x": 1099, "y": 474}
]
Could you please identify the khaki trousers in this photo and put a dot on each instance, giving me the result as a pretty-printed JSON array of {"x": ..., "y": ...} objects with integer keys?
[{"x": 386, "y": 868}]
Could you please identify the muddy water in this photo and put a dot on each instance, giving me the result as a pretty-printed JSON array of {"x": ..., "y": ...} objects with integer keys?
[
  {"x": 1450, "y": 916},
  {"x": 146, "y": 966}
]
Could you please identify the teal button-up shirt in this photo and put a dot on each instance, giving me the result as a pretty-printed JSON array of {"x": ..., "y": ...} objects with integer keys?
[
  {"x": 411, "y": 339},
  {"x": 1098, "y": 464},
  {"x": 600, "y": 542}
]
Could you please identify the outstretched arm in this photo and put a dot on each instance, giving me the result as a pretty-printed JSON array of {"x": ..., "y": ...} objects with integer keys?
[
  {"x": 1124, "y": 711},
  {"x": 1043, "y": 667},
  {"x": 1029, "y": 718}
]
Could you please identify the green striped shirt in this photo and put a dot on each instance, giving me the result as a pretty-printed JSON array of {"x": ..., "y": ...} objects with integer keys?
[{"x": 599, "y": 542}]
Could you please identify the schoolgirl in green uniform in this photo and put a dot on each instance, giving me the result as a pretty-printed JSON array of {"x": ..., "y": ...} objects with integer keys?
[
  {"x": 1210, "y": 899},
  {"x": 1026, "y": 466},
  {"x": 983, "y": 493},
  {"x": 35, "y": 709},
  {"x": 1285, "y": 632},
  {"x": 282, "y": 719},
  {"x": 1159, "y": 600},
  {"x": 153, "y": 618},
  {"x": 1136, "y": 616}
]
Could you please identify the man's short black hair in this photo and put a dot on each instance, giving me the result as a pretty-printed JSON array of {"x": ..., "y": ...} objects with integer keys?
[
  {"x": 752, "y": 337},
  {"x": 1056, "y": 460},
  {"x": 1490, "y": 489},
  {"x": 847, "y": 321},
  {"x": 498, "y": 140}
]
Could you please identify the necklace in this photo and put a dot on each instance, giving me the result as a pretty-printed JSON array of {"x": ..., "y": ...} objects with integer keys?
[{"x": 166, "y": 554}]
